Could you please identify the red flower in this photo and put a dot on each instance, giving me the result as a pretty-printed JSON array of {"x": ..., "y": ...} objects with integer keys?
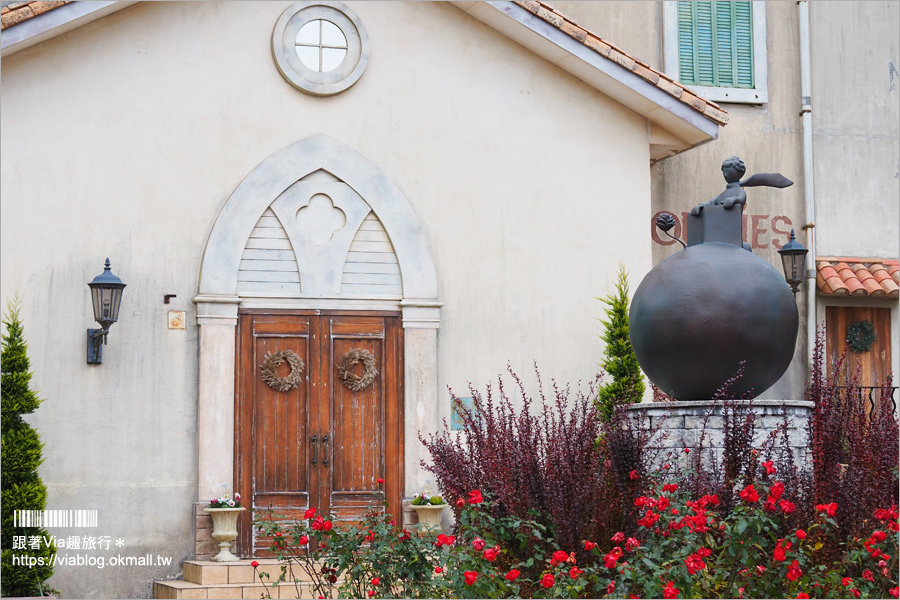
[
  {"x": 478, "y": 544},
  {"x": 470, "y": 577},
  {"x": 648, "y": 519},
  {"x": 375, "y": 581},
  {"x": 444, "y": 540},
  {"x": 879, "y": 536},
  {"x": 370, "y": 537},
  {"x": 787, "y": 506},
  {"x": 475, "y": 497},
  {"x": 662, "y": 504},
  {"x": 380, "y": 481},
  {"x": 611, "y": 588},
  {"x": 318, "y": 524},
  {"x": 326, "y": 526},
  {"x": 619, "y": 537},
  {"x": 574, "y": 572},
  {"x": 894, "y": 591},
  {"x": 670, "y": 591},
  {"x": 610, "y": 561},
  {"x": 749, "y": 494},
  {"x": 846, "y": 581},
  {"x": 801, "y": 535},
  {"x": 547, "y": 580},
  {"x": 794, "y": 572},
  {"x": 828, "y": 509},
  {"x": 588, "y": 546},
  {"x": 694, "y": 563},
  {"x": 631, "y": 544},
  {"x": 769, "y": 468},
  {"x": 560, "y": 556},
  {"x": 760, "y": 570},
  {"x": 867, "y": 575},
  {"x": 254, "y": 564},
  {"x": 513, "y": 574},
  {"x": 303, "y": 540},
  {"x": 633, "y": 475},
  {"x": 491, "y": 554},
  {"x": 309, "y": 513},
  {"x": 686, "y": 451},
  {"x": 780, "y": 547},
  {"x": 802, "y": 595},
  {"x": 371, "y": 593},
  {"x": 438, "y": 570},
  {"x": 777, "y": 490},
  {"x": 670, "y": 487}
]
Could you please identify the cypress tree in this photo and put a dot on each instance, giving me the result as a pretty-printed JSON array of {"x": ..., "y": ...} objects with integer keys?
[
  {"x": 620, "y": 362},
  {"x": 21, "y": 456}
]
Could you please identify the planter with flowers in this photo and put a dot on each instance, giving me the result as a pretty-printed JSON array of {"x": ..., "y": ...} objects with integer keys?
[
  {"x": 224, "y": 512},
  {"x": 428, "y": 509}
]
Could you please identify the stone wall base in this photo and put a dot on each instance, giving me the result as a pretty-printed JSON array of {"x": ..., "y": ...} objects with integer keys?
[
  {"x": 205, "y": 547},
  {"x": 684, "y": 424}
]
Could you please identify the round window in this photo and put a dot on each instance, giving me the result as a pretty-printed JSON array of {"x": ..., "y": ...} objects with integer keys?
[{"x": 320, "y": 47}]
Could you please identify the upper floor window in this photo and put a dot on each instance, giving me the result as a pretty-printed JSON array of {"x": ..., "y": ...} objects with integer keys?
[
  {"x": 718, "y": 49},
  {"x": 320, "y": 46}
]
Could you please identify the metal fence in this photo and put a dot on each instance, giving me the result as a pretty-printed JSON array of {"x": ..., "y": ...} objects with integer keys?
[{"x": 870, "y": 396}]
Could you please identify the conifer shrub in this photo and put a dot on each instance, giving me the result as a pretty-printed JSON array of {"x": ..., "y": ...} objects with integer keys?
[
  {"x": 22, "y": 489},
  {"x": 620, "y": 362}
]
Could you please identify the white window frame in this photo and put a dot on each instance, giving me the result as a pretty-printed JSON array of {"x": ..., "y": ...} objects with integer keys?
[{"x": 756, "y": 95}]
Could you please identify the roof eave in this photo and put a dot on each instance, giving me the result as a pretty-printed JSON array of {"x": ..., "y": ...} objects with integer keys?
[
  {"x": 56, "y": 22},
  {"x": 676, "y": 127}
]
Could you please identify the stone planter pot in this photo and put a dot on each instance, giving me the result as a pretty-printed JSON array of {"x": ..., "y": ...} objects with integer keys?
[
  {"x": 429, "y": 517},
  {"x": 224, "y": 531}
]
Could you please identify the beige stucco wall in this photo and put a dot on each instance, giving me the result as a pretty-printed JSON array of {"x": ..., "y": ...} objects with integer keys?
[
  {"x": 124, "y": 138},
  {"x": 856, "y": 107}
]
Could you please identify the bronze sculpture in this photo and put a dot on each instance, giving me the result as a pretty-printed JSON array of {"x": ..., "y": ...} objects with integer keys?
[{"x": 702, "y": 312}]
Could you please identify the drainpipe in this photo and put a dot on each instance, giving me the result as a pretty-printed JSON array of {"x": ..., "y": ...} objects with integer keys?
[{"x": 808, "y": 176}]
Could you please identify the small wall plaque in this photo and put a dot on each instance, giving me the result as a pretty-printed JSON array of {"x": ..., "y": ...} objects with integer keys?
[
  {"x": 456, "y": 421},
  {"x": 176, "y": 319}
]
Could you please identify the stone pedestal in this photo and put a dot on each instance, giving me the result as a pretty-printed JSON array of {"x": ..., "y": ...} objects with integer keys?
[{"x": 684, "y": 422}]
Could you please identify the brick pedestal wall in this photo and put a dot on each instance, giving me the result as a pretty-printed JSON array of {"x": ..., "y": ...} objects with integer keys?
[
  {"x": 684, "y": 423},
  {"x": 204, "y": 544}
]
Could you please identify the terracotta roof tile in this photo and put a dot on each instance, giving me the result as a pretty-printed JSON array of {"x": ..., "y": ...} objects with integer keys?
[
  {"x": 17, "y": 12},
  {"x": 546, "y": 12},
  {"x": 871, "y": 277}
]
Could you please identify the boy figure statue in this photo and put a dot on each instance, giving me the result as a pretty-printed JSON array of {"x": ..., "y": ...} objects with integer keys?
[{"x": 733, "y": 169}]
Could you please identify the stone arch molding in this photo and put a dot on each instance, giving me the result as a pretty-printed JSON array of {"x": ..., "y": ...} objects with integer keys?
[
  {"x": 354, "y": 186},
  {"x": 274, "y": 176}
]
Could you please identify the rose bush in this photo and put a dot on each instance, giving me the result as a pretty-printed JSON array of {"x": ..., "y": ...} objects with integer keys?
[{"x": 683, "y": 548}]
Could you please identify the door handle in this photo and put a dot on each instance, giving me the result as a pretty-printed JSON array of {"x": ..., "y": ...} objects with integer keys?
[
  {"x": 314, "y": 449},
  {"x": 325, "y": 442}
]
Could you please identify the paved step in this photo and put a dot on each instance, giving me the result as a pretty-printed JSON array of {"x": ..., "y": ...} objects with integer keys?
[
  {"x": 229, "y": 591},
  {"x": 207, "y": 580}
]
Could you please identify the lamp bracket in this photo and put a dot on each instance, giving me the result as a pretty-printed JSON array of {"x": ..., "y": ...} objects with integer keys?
[{"x": 95, "y": 340}]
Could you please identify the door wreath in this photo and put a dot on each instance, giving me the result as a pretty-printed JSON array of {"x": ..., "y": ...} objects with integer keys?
[
  {"x": 272, "y": 361},
  {"x": 351, "y": 380},
  {"x": 861, "y": 336}
]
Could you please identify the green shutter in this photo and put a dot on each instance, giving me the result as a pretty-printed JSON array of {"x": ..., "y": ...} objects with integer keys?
[{"x": 715, "y": 44}]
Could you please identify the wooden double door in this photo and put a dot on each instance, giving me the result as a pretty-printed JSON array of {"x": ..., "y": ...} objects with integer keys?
[{"x": 320, "y": 444}]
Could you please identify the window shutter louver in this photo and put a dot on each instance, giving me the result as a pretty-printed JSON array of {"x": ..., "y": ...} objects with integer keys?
[
  {"x": 715, "y": 44},
  {"x": 743, "y": 36}
]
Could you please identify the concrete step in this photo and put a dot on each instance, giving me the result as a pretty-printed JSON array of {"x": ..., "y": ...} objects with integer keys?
[
  {"x": 207, "y": 580},
  {"x": 229, "y": 591}
]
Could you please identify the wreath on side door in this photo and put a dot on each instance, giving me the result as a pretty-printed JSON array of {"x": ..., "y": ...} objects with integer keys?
[
  {"x": 272, "y": 361},
  {"x": 861, "y": 336},
  {"x": 351, "y": 380}
]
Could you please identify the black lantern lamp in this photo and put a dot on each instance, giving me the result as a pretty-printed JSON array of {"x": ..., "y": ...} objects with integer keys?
[
  {"x": 793, "y": 258},
  {"x": 106, "y": 296}
]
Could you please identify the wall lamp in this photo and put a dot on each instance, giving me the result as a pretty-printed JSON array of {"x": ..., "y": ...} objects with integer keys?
[
  {"x": 106, "y": 296},
  {"x": 793, "y": 259}
]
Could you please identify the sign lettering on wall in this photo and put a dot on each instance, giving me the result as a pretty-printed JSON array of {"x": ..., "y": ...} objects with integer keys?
[{"x": 762, "y": 231}]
